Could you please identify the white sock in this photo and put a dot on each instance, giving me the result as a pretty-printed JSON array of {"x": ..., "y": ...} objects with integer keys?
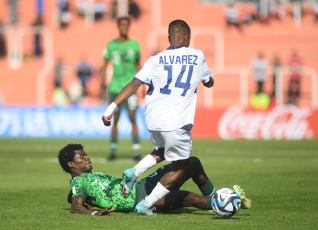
[
  {"x": 146, "y": 163},
  {"x": 157, "y": 193}
]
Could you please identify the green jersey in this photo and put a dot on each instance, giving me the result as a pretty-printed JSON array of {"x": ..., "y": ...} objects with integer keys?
[
  {"x": 124, "y": 56},
  {"x": 101, "y": 190}
]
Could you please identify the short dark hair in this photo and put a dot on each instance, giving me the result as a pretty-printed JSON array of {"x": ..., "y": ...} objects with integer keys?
[
  {"x": 123, "y": 18},
  {"x": 67, "y": 154},
  {"x": 178, "y": 26}
]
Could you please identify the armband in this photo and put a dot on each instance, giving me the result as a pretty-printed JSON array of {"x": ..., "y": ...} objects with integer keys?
[{"x": 93, "y": 213}]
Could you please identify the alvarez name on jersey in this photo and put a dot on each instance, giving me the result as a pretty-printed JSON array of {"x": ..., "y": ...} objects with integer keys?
[{"x": 173, "y": 76}]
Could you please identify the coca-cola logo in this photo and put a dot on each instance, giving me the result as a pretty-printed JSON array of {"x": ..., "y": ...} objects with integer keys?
[{"x": 282, "y": 122}]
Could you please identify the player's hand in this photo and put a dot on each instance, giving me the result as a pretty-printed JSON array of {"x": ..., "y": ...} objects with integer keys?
[
  {"x": 107, "y": 121},
  {"x": 105, "y": 211}
]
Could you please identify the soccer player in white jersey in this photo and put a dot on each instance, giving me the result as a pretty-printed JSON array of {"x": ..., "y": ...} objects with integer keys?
[{"x": 173, "y": 77}]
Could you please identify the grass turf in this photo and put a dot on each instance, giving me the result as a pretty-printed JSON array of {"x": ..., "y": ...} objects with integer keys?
[{"x": 279, "y": 176}]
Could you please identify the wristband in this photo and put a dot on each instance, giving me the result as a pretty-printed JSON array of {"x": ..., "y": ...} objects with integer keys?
[
  {"x": 93, "y": 213},
  {"x": 110, "y": 110}
]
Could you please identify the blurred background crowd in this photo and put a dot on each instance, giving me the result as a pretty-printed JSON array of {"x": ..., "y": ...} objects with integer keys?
[{"x": 261, "y": 52}]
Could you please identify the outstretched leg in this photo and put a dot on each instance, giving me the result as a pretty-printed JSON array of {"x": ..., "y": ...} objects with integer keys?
[{"x": 178, "y": 199}]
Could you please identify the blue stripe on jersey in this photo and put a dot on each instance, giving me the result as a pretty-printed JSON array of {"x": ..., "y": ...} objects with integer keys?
[
  {"x": 174, "y": 47},
  {"x": 150, "y": 89},
  {"x": 187, "y": 127},
  {"x": 142, "y": 82}
]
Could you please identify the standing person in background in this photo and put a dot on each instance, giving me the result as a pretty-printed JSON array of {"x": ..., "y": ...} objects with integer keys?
[
  {"x": 295, "y": 64},
  {"x": 124, "y": 53},
  {"x": 276, "y": 65},
  {"x": 37, "y": 25},
  {"x": 84, "y": 70},
  {"x": 259, "y": 66},
  {"x": 3, "y": 51}
]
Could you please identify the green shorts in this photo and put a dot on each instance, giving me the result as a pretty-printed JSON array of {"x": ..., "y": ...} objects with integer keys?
[
  {"x": 131, "y": 104},
  {"x": 147, "y": 184}
]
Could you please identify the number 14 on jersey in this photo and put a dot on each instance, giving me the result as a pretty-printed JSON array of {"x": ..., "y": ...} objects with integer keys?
[{"x": 179, "y": 83}]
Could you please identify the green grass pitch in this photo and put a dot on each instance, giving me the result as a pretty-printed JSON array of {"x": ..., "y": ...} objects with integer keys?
[{"x": 281, "y": 177}]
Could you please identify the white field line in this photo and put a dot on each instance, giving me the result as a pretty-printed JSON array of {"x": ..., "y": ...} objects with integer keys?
[{"x": 55, "y": 160}]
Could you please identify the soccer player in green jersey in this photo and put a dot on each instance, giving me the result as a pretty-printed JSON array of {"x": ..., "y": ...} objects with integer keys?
[
  {"x": 124, "y": 53},
  {"x": 103, "y": 191}
]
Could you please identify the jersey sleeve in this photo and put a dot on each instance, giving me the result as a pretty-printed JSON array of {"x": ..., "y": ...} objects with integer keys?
[
  {"x": 145, "y": 74},
  {"x": 107, "y": 53},
  {"x": 206, "y": 72},
  {"x": 78, "y": 191}
]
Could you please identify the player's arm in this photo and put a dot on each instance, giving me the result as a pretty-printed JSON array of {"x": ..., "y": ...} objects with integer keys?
[
  {"x": 126, "y": 92},
  {"x": 78, "y": 207},
  {"x": 209, "y": 83},
  {"x": 103, "y": 80}
]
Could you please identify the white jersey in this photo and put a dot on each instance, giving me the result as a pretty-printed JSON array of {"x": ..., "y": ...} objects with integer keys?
[{"x": 173, "y": 76}]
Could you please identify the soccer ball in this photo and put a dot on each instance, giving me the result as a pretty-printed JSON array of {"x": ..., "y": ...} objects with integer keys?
[{"x": 226, "y": 202}]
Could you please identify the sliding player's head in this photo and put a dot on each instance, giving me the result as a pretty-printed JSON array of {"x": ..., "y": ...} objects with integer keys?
[
  {"x": 179, "y": 33},
  {"x": 74, "y": 160},
  {"x": 123, "y": 24}
]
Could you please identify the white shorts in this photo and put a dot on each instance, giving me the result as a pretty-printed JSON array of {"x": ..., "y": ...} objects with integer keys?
[{"x": 177, "y": 143}]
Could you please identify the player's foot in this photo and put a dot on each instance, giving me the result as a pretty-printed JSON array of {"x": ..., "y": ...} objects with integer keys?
[
  {"x": 246, "y": 203},
  {"x": 144, "y": 209},
  {"x": 137, "y": 157},
  {"x": 129, "y": 179},
  {"x": 112, "y": 157}
]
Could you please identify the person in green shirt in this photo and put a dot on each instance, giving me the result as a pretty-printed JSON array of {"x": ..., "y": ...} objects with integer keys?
[
  {"x": 124, "y": 53},
  {"x": 90, "y": 189}
]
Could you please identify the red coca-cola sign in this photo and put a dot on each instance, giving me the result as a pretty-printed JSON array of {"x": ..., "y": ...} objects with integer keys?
[{"x": 281, "y": 122}]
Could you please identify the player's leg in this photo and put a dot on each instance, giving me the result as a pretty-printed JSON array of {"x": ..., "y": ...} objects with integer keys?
[
  {"x": 114, "y": 133},
  {"x": 130, "y": 175},
  {"x": 178, "y": 199},
  {"x": 135, "y": 136},
  {"x": 178, "y": 146},
  {"x": 132, "y": 106}
]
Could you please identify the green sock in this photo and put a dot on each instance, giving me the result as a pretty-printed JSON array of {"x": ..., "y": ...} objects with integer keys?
[
  {"x": 208, "y": 189},
  {"x": 136, "y": 145},
  {"x": 113, "y": 145},
  {"x": 209, "y": 203}
]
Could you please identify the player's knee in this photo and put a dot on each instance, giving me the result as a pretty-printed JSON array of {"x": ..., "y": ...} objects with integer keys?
[{"x": 195, "y": 162}]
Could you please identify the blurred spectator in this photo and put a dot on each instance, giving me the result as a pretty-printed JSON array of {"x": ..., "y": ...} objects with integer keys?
[
  {"x": 259, "y": 66},
  {"x": 39, "y": 7},
  {"x": 14, "y": 17},
  {"x": 1, "y": 99},
  {"x": 276, "y": 65},
  {"x": 134, "y": 10},
  {"x": 315, "y": 9},
  {"x": 60, "y": 97},
  {"x": 81, "y": 7},
  {"x": 100, "y": 9},
  {"x": 113, "y": 10},
  {"x": 232, "y": 14},
  {"x": 58, "y": 73},
  {"x": 64, "y": 15},
  {"x": 75, "y": 92},
  {"x": 260, "y": 101},
  {"x": 84, "y": 72},
  {"x": 3, "y": 51},
  {"x": 277, "y": 9},
  {"x": 295, "y": 64},
  {"x": 37, "y": 25}
]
